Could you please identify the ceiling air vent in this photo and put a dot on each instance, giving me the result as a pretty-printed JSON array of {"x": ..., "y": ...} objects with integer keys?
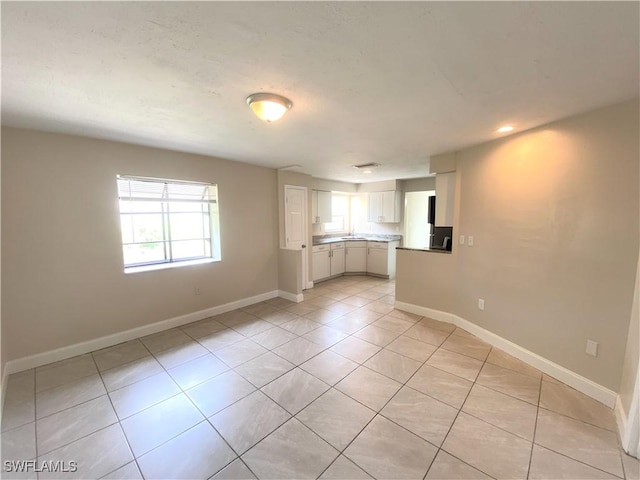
[{"x": 367, "y": 165}]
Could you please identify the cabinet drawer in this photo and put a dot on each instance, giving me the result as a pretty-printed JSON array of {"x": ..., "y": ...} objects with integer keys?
[
  {"x": 321, "y": 248},
  {"x": 357, "y": 244},
  {"x": 337, "y": 246},
  {"x": 378, "y": 245}
]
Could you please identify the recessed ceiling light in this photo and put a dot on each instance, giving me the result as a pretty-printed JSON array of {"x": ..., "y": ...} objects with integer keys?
[
  {"x": 505, "y": 129},
  {"x": 269, "y": 106},
  {"x": 367, "y": 171}
]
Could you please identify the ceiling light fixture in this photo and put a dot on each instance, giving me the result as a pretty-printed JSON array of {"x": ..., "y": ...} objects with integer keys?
[
  {"x": 505, "y": 129},
  {"x": 268, "y": 106}
]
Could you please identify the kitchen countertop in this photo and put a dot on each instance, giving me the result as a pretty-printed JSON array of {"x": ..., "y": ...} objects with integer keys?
[
  {"x": 434, "y": 250},
  {"x": 357, "y": 238}
]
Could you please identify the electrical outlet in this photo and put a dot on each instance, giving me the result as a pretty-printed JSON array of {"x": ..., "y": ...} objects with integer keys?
[
  {"x": 197, "y": 291},
  {"x": 592, "y": 348},
  {"x": 470, "y": 240},
  {"x": 481, "y": 303},
  {"x": 461, "y": 241}
]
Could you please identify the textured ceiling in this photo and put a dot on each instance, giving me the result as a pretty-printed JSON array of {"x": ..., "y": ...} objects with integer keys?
[{"x": 382, "y": 82}]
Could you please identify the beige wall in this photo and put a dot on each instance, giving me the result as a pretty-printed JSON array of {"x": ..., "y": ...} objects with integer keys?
[
  {"x": 378, "y": 186},
  {"x": 426, "y": 279},
  {"x": 62, "y": 273},
  {"x": 419, "y": 184},
  {"x": 554, "y": 215},
  {"x": 289, "y": 271},
  {"x": 333, "y": 186},
  {"x": 443, "y": 163}
]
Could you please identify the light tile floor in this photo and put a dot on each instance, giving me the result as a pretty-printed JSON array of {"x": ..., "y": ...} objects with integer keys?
[{"x": 340, "y": 386}]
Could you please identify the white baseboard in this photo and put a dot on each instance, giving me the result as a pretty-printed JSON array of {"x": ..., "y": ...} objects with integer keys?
[
  {"x": 291, "y": 296},
  {"x": 69, "y": 351},
  {"x": 580, "y": 383}
]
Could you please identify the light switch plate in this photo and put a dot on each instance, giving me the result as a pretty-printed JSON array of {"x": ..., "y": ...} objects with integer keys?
[
  {"x": 592, "y": 348},
  {"x": 470, "y": 240},
  {"x": 481, "y": 303},
  {"x": 461, "y": 241}
]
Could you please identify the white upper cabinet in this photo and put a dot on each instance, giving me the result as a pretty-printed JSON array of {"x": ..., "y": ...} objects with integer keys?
[
  {"x": 384, "y": 207},
  {"x": 321, "y": 201},
  {"x": 445, "y": 195}
]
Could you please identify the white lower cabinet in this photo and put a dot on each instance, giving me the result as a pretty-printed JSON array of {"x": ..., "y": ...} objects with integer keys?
[
  {"x": 377, "y": 258},
  {"x": 337, "y": 258},
  {"x": 356, "y": 257},
  {"x": 328, "y": 260},
  {"x": 333, "y": 259},
  {"x": 381, "y": 258},
  {"x": 321, "y": 261}
]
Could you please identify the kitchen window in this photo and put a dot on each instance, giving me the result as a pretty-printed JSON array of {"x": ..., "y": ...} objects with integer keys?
[
  {"x": 167, "y": 223},
  {"x": 339, "y": 214}
]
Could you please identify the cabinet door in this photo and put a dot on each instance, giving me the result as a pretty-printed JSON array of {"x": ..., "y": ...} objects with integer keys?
[
  {"x": 375, "y": 207},
  {"x": 324, "y": 207},
  {"x": 337, "y": 261},
  {"x": 377, "y": 261},
  {"x": 390, "y": 207},
  {"x": 356, "y": 259},
  {"x": 321, "y": 265}
]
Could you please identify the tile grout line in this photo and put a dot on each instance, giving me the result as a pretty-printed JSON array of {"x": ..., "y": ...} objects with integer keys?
[
  {"x": 535, "y": 428},
  {"x": 581, "y": 462}
]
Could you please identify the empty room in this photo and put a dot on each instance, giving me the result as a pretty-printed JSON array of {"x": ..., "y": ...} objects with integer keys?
[{"x": 320, "y": 240}]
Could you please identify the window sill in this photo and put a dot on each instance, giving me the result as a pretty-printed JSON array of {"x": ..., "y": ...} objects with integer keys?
[{"x": 163, "y": 266}]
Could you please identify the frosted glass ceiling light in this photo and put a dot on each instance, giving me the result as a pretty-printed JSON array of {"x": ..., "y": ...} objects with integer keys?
[{"x": 268, "y": 106}]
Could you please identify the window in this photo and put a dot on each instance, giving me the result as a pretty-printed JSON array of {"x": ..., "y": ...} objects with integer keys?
[
  {"x": 165, "y": 222},
  {"x": 339, "y": 213}
]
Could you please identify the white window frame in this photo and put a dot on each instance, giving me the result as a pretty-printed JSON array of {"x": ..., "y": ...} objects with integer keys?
[{"x": 164, "y": 193}]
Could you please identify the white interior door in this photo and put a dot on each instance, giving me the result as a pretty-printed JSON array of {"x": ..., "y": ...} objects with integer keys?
[{"x": 295, "y": 210}]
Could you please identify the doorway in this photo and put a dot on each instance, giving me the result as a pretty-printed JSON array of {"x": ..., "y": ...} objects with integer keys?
[{"x": 417, "y": 229}]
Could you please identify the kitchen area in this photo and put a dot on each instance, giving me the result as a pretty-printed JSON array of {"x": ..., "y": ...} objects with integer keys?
[{"x": 358, "y": 231}]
